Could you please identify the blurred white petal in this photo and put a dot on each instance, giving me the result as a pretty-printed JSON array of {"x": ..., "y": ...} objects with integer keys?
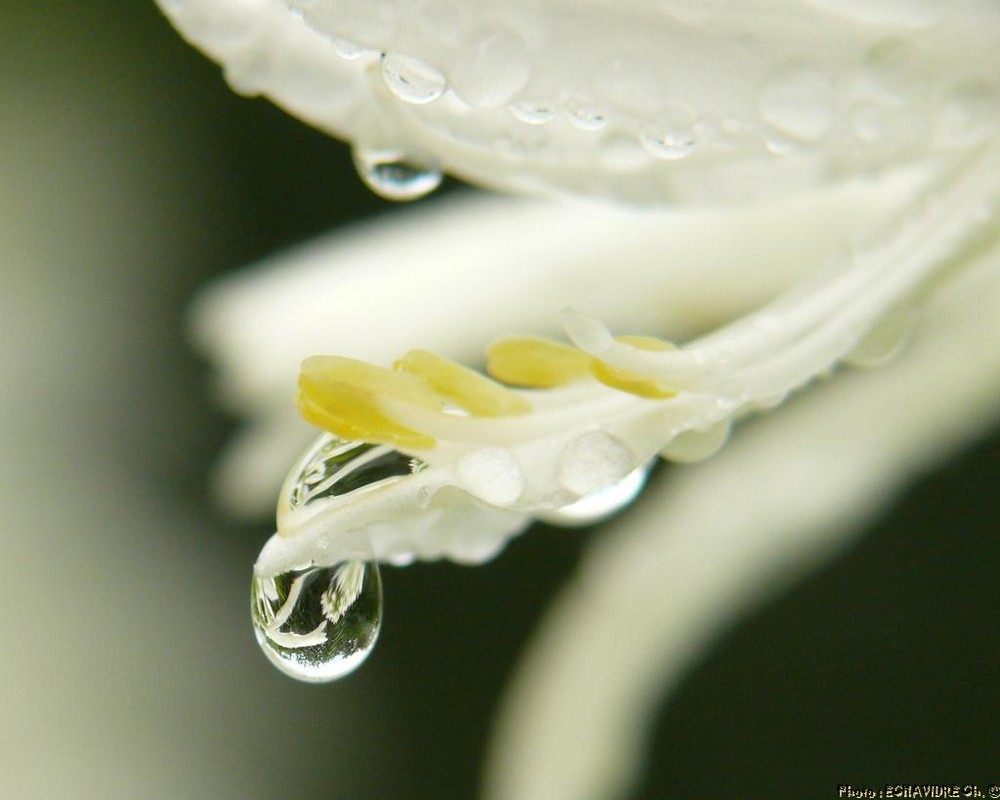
[{"x": 713, "y": 539}]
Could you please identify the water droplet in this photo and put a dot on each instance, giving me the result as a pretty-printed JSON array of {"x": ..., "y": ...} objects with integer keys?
[
  {"x": 348, "y": 50},
  {"x": 411, "y": 79},
  {"x": 318, "y": 624},
  {"x": 332, "y": 467},
  {"x": 392, "y": 174},
  {"x": 492, "y": 68},
  {"x": 798, "y": 101},
  {"x": 585, "y": 116},
  {"x": 534, "y": 112},
  {"x": 666, "y": 142},
  {"x": 780, "y": 146},
  {"x": 884, "y": 340},
  {"x": 492, "y": 474},
  {"x": 598, "y": 505},
  {"x": 594, "y": 461},
  {"x": 694, "y": 445}
]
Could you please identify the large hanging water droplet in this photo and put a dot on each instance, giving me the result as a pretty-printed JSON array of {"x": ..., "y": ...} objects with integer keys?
[
  {"x": 603, "y": 503},
  {"x": 319, "y": 623},
  {"x": 394, "y": 175}
]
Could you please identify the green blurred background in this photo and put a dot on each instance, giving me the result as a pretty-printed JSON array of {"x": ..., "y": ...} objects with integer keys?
[{"x": 130, "y": 176}]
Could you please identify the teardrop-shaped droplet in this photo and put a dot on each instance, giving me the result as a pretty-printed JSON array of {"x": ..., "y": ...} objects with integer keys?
[
  {"x": 332, "y": 467},
  {"x": 601, "y": 504},
  {"x": 319, "y": 623},
  {"x": 393, "y": 175}
]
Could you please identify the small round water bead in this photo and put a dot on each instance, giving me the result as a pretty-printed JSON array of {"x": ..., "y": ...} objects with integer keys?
[{"x": 319, "y": 623}]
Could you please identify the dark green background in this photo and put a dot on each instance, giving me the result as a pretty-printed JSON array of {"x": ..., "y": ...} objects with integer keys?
[{"x": 882, "y": 668}]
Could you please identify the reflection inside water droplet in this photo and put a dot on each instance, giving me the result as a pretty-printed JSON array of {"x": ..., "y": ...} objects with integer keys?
[
  {"x": 332, "y": 467},
  {"x": 319, "y": 623},
  {"x": 393, "y": 175},
  {"x": 598, "y": 505}
]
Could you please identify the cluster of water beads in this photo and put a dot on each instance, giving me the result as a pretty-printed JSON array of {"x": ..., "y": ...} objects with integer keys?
[{"x": 319, "y": 623}]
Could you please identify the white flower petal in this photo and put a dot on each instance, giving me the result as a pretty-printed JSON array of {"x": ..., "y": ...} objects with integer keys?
[
  {"x": 373, "y": 291},
  {"x": 639, "y": 101},
  {"x": 716, "y": 538}
]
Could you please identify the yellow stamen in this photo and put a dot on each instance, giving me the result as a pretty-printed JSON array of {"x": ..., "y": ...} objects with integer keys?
[
  {"x": 631, "y": 382},
  {"x": 341, "y": 395},
  {"x": 650, "y": 343},
  {"x": 533, "y": 361},
  {"x": 464, "y": 387}
]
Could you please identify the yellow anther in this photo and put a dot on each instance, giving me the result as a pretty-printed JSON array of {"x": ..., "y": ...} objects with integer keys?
[
  {"x": 341, "y": 395},
  {"x": 464, "y": 387},
  {"x": 533, "y": 361},
  {"x": 632, "y": 382},
  {"x": 646, "y": 343}
]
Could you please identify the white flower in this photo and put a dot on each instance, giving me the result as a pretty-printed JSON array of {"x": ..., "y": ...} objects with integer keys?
[{"x": 846, "y": 152}]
